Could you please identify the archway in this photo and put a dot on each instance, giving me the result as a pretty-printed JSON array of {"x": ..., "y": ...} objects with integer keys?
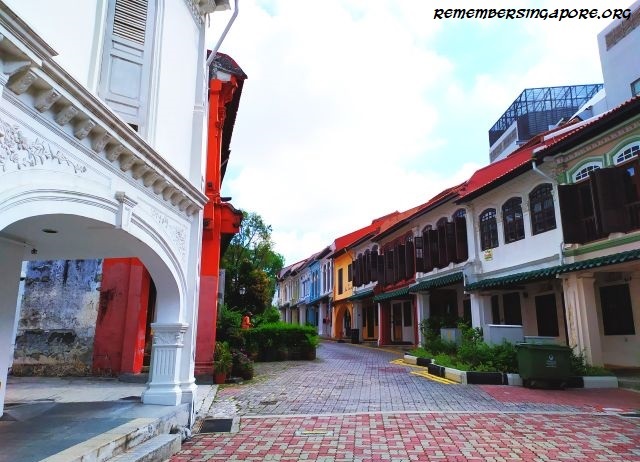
[{"x": 86, "y": 227}]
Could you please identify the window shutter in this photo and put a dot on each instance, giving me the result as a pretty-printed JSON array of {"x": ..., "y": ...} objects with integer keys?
[
  {"x": 431, "y": 249},
  {"x": 462, "y": 253},
  {"x": 442, "y": 260},
  {"x": 571, "y": 213},
  {"x": 381, "y": 270},
  {"x": 608, "y": 192},
  {"x": 356, "y": 271},
  {"x": 451, "y": 241},
  {"x": 396, "y": 264},
  {"x": 402, "y": 262},
  {"x": 366, "y": 272},
  {"x": 374, "y": 265},
  {"x": 126, "y": 60},
  {"x": 410, "y": 262},
  {"x": 419, "y": 254}
]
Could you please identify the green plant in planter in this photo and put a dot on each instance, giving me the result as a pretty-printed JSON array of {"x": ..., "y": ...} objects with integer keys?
[
  {"x": 242, "y": 365},
  {"x": 222, "y": 361},
  {"x": 310, "y": 345}
]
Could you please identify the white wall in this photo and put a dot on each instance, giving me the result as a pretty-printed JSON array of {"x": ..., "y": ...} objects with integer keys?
[
  {"x": 177, "y": 68},
  {"x": 75, "y": 29},
  {"x": 527, "y": 250},
  {"x": 622, "y": 350},
  {"x": 620, "y": 63}
]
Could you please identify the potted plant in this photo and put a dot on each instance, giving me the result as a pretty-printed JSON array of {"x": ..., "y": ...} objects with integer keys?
[{"x": 222, "y": 362}]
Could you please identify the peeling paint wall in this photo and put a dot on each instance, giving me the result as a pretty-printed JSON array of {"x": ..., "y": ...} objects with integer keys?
[{"x": 58, "y": 318}]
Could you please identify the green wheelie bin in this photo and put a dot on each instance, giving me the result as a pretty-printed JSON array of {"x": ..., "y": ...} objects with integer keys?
[{"x": 545, "y": 366}]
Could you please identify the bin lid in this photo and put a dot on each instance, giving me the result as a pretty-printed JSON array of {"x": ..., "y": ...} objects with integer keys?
[{"x": 541, "y": 346}]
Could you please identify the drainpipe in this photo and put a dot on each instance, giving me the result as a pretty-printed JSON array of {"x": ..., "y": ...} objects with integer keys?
[
  {"x": 540, "y": 172},
  {"x": 554, "y": 182},
  {"x": 222, "y": 37}
]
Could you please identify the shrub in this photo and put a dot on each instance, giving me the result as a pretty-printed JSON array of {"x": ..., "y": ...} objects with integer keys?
[
  {"x": 228, "y": 327},
  {"x": 580, "y": 367},
  {"x": 270, "y": 315},
  {"x": 281, "y": 337}
]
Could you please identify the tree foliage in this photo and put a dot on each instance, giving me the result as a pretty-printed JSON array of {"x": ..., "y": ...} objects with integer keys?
[{"x": 251, "y": 266}]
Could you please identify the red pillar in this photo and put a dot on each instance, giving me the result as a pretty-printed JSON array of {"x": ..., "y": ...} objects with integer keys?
[
  {"x": 385, "y": 324},
  {"x": 220, "y": 93},
  {"x": 122, "y": 317}
]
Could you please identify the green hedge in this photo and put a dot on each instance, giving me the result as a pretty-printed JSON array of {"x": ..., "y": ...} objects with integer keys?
[{"x": 281, "y": 341}]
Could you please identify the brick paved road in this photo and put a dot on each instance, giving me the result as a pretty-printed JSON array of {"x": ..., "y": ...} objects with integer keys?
[{"x": 376, "y": 410}]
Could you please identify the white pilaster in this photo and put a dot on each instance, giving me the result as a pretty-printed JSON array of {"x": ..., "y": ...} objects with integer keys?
[
  {"x": 164, "y": 378},
  {"x": 424, "y": 309},
  {"x": 480, "y": 310},
  {"x": 582, "y": 318},
  {"x": 10, "y": 267}
]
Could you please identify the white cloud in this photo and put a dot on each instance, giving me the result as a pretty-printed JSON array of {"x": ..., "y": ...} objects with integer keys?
[{"x": 354, "y": 108}]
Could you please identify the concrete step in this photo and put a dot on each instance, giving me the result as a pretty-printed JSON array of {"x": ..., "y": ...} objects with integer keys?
[
  {"x": 157, "y": 449},
  {"x": 116, "y": 441}
]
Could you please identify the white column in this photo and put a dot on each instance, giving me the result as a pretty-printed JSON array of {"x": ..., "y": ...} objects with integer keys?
[
  {"x": 582, "y": 318},
  {"x": 480, "y": 310},
  {"x": 10, "y": 268},
  {"x": 356, "y": 321},
  {"x": 322, "y": 316},
  {"x": 302, "y": 320},
  {"x": 164, "y": 378},
  {"x": 423, "y": 302}
]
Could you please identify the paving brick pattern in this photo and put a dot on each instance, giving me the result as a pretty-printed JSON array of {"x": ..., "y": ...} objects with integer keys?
[
  {"x": 349, "y": 378},
  {"x": 352, "y": 404},
  {"x": 417, "y": 437}
]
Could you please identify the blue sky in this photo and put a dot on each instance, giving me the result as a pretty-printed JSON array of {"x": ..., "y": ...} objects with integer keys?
[{"x": 356, "y": 108}]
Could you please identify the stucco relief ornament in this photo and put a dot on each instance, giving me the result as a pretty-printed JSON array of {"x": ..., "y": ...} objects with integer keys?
[
  {"x": 17, "y": 152},
  {"x": 163, "y": 338},
  {"x": 177, "y": 234}
]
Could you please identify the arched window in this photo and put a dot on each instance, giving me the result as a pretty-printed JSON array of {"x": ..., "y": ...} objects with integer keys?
[
  {"x": 512, "y": 221},
  {"x": 488, "y": 229},
  {"x": 583, "y": 173},
  {"x": 543, "y": 215},
  {"x": 460, "y": 213},
  {"x": 628, "y": 152}
]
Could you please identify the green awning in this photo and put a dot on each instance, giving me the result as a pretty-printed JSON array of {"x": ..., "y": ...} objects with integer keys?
[
  {"x": 551, "y": 272},
  {"x": 398, "y": 293},
  {"x": 435, "y": 283},
  {"x": 360, "y": 295}
]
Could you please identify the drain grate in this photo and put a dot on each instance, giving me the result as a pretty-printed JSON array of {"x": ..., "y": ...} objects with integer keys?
[
  {"x": 631, "y": 414},
  {"x": 269, "y": 402},
  {"x": 314, "y": 433},
  {"x": 216, "y": 425}
]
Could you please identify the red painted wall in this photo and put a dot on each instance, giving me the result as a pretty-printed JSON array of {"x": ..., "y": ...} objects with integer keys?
[{"x": 122, "y": 317}]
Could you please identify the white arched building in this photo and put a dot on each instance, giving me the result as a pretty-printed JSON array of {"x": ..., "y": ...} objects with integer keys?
[{"x": 102, "y": 148}]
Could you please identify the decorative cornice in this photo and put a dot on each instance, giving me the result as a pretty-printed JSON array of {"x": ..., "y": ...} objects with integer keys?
[
  {"x": 17, "y": 152},
  {"x": 38, "y": 82},
  {"x": 613, "y": 135}
]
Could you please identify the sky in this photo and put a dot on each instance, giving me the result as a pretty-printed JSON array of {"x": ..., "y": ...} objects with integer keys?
[{"x": 356, "y": 108}]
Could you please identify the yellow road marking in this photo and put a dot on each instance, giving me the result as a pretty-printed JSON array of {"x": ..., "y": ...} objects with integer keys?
[
  {"x": 435, "y": 378},
  {"x": 422, "y": 371}
]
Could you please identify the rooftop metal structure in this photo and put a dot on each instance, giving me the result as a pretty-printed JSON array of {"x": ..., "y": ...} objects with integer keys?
[{"x": 535, "y": 109}]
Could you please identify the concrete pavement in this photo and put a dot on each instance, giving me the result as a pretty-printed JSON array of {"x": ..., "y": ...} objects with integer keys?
[
  {"x": 353, "y": 404},
  {"x": 65, "y": 419}
]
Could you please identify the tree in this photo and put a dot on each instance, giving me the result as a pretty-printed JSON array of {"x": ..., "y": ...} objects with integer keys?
[{"x": 251, "y": 266}]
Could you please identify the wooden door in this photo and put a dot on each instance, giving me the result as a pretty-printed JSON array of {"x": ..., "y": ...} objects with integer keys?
[{"x": 396, "y": 320}]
